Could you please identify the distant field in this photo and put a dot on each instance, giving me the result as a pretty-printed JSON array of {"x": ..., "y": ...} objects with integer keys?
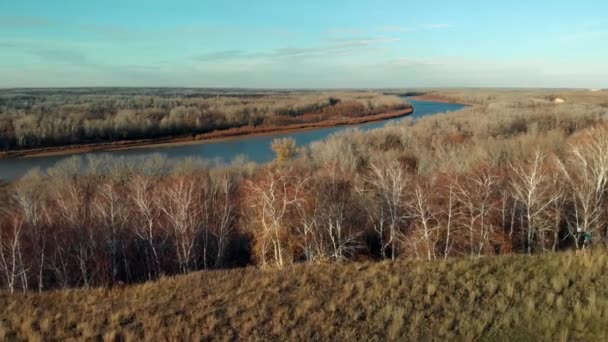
[
  {"x": 556, "y": 297},
  {"x": 524, "y": 96}
]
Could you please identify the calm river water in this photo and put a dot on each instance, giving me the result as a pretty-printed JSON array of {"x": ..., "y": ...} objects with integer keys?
[{"x": 255, "y": 148}]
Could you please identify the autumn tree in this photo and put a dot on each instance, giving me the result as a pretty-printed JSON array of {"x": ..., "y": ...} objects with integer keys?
[{"x": 284, "y": 148}]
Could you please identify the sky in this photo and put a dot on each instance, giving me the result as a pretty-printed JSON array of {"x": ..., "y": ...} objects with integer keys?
[{"x": 304, "y": 44}]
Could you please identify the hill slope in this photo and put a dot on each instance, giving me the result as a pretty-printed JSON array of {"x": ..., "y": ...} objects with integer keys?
[{"x": 550, "y": 297}]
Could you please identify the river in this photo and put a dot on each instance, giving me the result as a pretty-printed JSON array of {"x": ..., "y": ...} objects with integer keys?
[{"x": 255, "y": 148}]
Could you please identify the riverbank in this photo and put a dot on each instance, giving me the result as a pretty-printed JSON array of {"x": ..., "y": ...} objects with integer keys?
[{"x": 230, "y": 133}]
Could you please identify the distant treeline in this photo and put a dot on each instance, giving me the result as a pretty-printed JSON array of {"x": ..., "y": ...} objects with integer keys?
[
  {"x": 41, "y": 118},
  {"x": 497, "y": 178}
]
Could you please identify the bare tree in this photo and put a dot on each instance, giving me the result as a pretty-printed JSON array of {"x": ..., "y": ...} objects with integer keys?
[
  {"x": 586, "y": 171},
  {"x": 448, "y": 212},
  {"x": 11, "y": 253},
  {"x": 337, "y": 206},
  {"x": 386, "y": 189},
  {"x": 111, "y": 211},
  {"x": 556, "y": 211},
  {"x": 224, "y": 190},
  {"x": 28, "y": 196},
  {"x": 272, "y": 200},
  {"x": 475, "y": 194},
  {"x": 425, "y": 220},
  {"x": 179, "y": 200},
  {"x": 310, "y": 240},
  {"x": 531, "y": 188},
  {"x": 71, "y": 204},
  {"x": 142, "y": 194}
]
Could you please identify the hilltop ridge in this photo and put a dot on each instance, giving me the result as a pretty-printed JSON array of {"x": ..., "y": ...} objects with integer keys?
[{"x": 549, "y": 297}]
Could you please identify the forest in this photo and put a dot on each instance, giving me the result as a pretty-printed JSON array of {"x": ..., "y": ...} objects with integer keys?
[
  {"x": 509, "y": 175},
  {"x": 33, "y": 118}
]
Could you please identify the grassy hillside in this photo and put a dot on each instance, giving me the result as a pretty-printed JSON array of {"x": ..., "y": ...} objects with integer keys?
[{"x": 549, "y": 297}]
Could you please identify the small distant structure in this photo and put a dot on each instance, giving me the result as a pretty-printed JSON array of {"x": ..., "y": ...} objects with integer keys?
[
  {"x": 548, "y": 100},
  {"x": 595, "y": 89}
]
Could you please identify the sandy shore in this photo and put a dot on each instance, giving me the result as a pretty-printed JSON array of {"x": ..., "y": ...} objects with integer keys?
[{"x": 232, "y": 133}]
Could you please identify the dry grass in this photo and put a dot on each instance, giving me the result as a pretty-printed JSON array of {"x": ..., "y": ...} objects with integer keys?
[
  {"x": 549, "y": 297},
  {"x": 523, "y": 96}
]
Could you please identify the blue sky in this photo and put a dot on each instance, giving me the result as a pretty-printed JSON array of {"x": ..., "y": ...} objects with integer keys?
[{"x": 304, "y": 44}]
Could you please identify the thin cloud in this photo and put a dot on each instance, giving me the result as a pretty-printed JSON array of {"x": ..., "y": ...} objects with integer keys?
[
  {"x": 365, "y": 41},
  {"x": 109, "y": 31},
  {"x": 24, "y": 22},
  {"x": 341, "y": 31},
  {"x": 221, "y": 55},
  {"x": 435, "y": 26},
  {"x": 227, "y": 30},
  {"x": 337, "y": 46},
  {"x": 61, "y": 55},
  {"x": 396, "y": 28},
  {"x": 31, "y": 22},
  {"x": 53, "y": 52},
  {"x": 406, "y": 62},
  {"x": 424, "y": 27}
]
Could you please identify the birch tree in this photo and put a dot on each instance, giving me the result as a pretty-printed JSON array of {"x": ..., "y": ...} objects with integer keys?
[
  {"x": 71, "y": 204},
  {"x": 180, "y": 200},
  {"x": 585, "y": 170},
  {"x": 272, "y": 200},
  {"x": 12, "y": 263},
  {"x": 224, "y": 198},
  {"x": 530, "y": 186},
  {"x": 29, "y": 198},
  {"x": 111, "y": 211},
  {"x": 385, "y": 188},
  {"x": 425, "y": 220},
  {"x": 475, "y": 194},
  {"x": 142, "y": 192}
]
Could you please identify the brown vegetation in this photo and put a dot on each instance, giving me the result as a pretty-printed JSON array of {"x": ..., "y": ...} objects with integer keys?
[
  {"x": 509, "y": 175},
  {"x": 519, "y": 178},
  {"x": 32, "y": 119}
]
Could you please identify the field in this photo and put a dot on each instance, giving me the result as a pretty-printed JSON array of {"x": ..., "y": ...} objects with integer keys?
[
  {"x": 556, "y": 297},
  {"x": 299, "y": 248}
]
